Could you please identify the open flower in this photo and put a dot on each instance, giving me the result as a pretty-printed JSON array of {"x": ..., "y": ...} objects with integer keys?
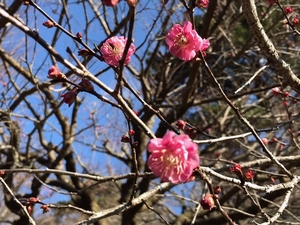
[
  {"x": 173, "y": 158},
  {"x": 113, "y": 48},
  {"x": 184, "y": 42}
]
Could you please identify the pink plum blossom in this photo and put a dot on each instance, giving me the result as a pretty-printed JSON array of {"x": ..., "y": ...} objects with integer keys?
[
  {"x": 113, "y": 48},
  {"x": 184, "y": 42},
  {"x": 173, "y": 158}
]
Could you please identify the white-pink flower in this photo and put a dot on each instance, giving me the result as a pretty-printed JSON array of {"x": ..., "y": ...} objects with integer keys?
[
  {"x": 184, "y": 42},
  {"x": 173, "y": 158},
  {"x": 113, "y": 48}
]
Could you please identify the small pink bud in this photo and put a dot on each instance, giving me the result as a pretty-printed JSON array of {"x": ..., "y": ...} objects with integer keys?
[
  {"x": 79, "y": 35},
  {"x": 54, "y": 73},
  {"x": 217, "y": 189},
  {"x": 202, "y": 3},
  {"x": 26, "y": 3},
  {"x": 286, "y": 104},
  {"x": 288, "y": 10},
  {"x": 131, "y": 132},
  {"x": 286, "y": 94},
  {"x": 249, "y": 174},
  {"x": 45, "y": 208},
  {"x": 136, "y": 143},
  {"x": 207, "y": 202},
  {"x": 48, "y": 24},
  {"x": 295, "y": 20},
  {"x": 29, "y": 209},
  {"x": 69, "y": 97},
  {"x": 265, "y": 141},
  {"x": 125, "y": 139},
  {"x": 33, "y": 200},
  {"x": 275, "y": 140},
  {"x": 181, "y": 124},
  {"x": 86, "y": 85},
  {"x": 276, "y": 91}
]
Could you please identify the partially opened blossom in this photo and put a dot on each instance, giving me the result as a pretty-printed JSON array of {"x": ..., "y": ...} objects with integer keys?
[
  {"x": 54, "y": 73},
  {"x": 184, "y": 42},
  {"x": 173, "y": 158},
  {"x": 113, "y": 48}
]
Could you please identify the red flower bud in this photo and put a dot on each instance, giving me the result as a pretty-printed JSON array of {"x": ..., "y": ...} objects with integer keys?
[
  {"x": 276, "y": 91},
  {"x": 249, "y": 174},
  {"x": 288, "y": 10},
  {"x": 2, "y": 172},
  {"x": 83, "y": 52},
  {"x": 131, "y": 132},
  {"x": 265, "y": 141},
  {"x": 54, "y": 73},
  {"x": 69, "y": 97},
  {"x": 202, "y": 3},
  {"x": 181, "y": 124},
  {"x": 29, "y": 209},
  {"x": 207, "y": 202},
  {"x": 33, "y": 200},
  {"x": 86, "y": 85},
  {"x": 48, "y": 24},
  {"x": 79, "y": 35},
  {"x": 125, "y": 139},
  {"x": 45, "y": 208},
  {"x": 295, "y": 21},
  {"x": 217, "y": 189}
]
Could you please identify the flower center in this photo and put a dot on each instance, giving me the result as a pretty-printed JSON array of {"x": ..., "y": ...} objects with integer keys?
[{"x": 182, "y": 40}]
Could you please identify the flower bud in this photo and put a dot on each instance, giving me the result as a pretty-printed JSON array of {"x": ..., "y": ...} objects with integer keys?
[
  {"x": 207, "y": 202},
  {"x": 54, "y": 73},
  {"x": 217, "y": 189},
  {"x": 79, "y": 35},
  {"x": 48, "y": 24},
  {"x": 69, "y": 97},
  {"x": 86, "y": 85},
  {"x": 125, "y": 139},
  {"x": 181, "y": 124},
  {"x": 265, "y": 141}
]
